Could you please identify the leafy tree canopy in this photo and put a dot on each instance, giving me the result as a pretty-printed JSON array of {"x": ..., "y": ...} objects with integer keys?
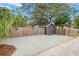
[
  {"x": 6, "y": 20},
  {"x": 43, "y": 13},
  {"x": 76, "y": 22}
]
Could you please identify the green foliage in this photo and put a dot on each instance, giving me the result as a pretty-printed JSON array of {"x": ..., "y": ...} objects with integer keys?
[
  {"x": 62, "y": 20},
  {"x": 1, "y": 31},
  {"x": 44, "y": 12},
  {"x": 19, "y": 19},
  {"x": 76, "y": 22},
  {"x": 40, "y": 21},
  {"x": 6, "y": 21}
]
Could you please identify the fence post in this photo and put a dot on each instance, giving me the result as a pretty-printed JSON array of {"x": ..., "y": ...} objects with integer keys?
[{"x": 66, "y": 31}]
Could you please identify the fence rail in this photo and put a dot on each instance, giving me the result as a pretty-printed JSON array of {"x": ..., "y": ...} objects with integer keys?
[
  {"x": 28, "y": 31},
  {"x": 67, "y": 31},
  {"x": 25, "y": 31}
]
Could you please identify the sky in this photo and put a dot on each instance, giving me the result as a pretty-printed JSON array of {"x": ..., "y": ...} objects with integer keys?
[
  {"x": 77, "y": 6},
  {"x": 13, "y": 6}
]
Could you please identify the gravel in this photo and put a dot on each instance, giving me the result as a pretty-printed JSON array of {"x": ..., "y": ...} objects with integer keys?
[
  {"x": 29, "y": 45},
  {"x": 69, "y": 48}
]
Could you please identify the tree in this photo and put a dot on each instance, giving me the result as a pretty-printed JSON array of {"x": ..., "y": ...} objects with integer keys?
[
  {"x": 48, "y": 11},
  {"x": 62, "y": 20},
  {"x": 76, "y": 22},
  {"x": 6, "y": 20},
  {"x": 43, "y": 13},
  {"x": 19, "y": 21}
]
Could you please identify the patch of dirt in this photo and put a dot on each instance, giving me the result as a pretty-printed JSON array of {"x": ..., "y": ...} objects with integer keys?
[{"x": 6, "y": 50}]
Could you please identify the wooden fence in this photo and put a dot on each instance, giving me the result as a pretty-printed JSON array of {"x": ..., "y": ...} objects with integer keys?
[
  {"x": 67, "y": 31},
  {"x": 29, "y": 31},
  {"x": 25, "y": 31}
]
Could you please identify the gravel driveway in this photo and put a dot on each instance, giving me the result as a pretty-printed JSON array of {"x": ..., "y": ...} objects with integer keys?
[
  {"x": 69, "y": 48},
  {"x": 29, "y": 45}
]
